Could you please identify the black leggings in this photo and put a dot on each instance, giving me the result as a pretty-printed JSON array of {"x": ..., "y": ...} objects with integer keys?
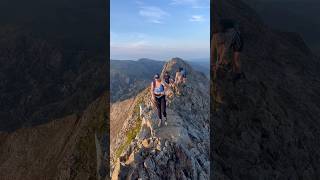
[{"x": 161, "y": 106}]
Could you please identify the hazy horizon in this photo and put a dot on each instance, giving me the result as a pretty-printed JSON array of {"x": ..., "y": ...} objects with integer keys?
[{"x": 153, "y": 59}]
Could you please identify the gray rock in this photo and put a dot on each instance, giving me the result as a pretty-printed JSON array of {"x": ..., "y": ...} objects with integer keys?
[
  {"x": 142, "y": 173},
  {"x": 203, "y": 176},
  {"x": 149, "y": 164},
  {"x": 194, "y": 151},
  {"x": 167, "y": 144}
]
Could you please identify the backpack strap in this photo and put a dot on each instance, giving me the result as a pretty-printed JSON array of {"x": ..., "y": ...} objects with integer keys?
[{"x": 162, "y": 86}]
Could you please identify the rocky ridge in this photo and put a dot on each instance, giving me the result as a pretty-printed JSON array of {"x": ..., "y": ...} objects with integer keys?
[{"x": 176, "y": 151}]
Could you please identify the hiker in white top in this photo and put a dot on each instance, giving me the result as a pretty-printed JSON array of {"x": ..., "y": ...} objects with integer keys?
[{"x": 159, "y": 98}]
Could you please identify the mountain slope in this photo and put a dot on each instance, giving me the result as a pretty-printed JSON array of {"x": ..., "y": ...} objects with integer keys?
[
  {"x": 179, "y": 149},
  {"x": 128, "y": 78},
  {"x": 201, "y": 65},
  {"x": 64, "y": 148},
  {"x": 267, "y": 125},
  {"x": 53, "y": 85},
  {"x": 294, "y": 16},
  {"x": 40, "y": 81}
]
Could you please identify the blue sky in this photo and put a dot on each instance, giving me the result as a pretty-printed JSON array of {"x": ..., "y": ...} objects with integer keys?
[{"x": 159, "y": 29}]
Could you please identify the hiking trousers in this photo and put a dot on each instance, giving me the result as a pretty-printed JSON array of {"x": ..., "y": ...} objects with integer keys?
[{"x": 161, "y": 106}]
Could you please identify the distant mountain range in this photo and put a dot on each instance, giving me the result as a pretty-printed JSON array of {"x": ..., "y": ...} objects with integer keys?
[
  {"x": 201, "y": 65},
  {"x": 128, "y": 77}
]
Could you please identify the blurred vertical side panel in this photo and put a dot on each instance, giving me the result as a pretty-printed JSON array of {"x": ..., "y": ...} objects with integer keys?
[
  {"x": 213, "y": 57},
  {"x": 264, "y": 113},
  {"x": 54, "y": 85}
]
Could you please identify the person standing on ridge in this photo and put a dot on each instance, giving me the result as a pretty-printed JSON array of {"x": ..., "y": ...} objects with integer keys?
[
  {"x": 167, "y": 78},
  {"x": 169, "y": 85},
  {"x": 177, "y": 79},
  {"x": 159, "y": 97},
  {"x": 180, "y": 76},
  {"x": 229, "y": 38},
  {"x": 183, "y": 74}
]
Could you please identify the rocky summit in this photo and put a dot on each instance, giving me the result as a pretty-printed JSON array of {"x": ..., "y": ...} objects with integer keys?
[
  {"x": 178, "y": 150},
  {"x": 266, "y": 125}
]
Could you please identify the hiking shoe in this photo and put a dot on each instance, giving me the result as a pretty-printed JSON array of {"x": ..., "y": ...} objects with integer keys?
[
  {"x": 166, "y": 121},
  {"x": 159, "y": 123}
]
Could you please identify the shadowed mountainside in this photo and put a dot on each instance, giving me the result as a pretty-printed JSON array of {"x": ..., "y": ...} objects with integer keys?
[
  {"x": 267, "y": 125},
  {"x": 300, "y": 16},
  {"x": 52, "y": 59},
  {"x": 63, "y": 148},
  {"x": 53, "y": 85}
]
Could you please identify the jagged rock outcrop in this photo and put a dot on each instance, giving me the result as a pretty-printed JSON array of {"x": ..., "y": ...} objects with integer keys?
[
  {"x": 266, "y": 126},
  {"x": 179, "y": 150}
]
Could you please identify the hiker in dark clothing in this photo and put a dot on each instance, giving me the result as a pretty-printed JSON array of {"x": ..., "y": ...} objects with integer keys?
[
  {"x": 169, "y": 84},
  {"x": 158, "y": 96},
  {"x": 167, "y": 79},
  {"x": 229, "y": 38},
  {"x": 183, "y": 74}
]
